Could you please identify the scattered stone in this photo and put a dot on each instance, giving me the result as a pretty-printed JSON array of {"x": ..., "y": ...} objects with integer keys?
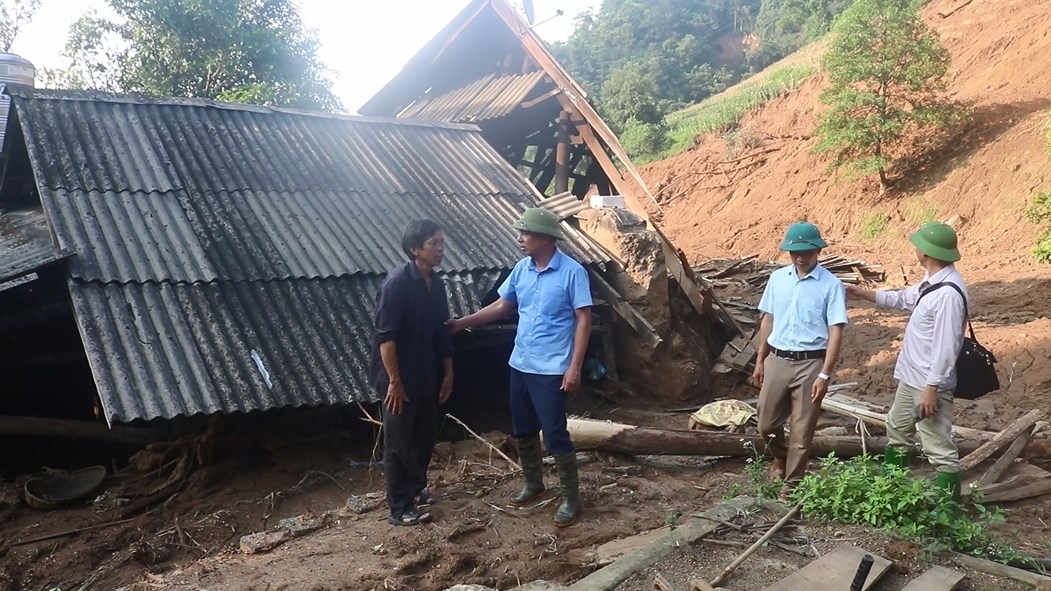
[
  {"x": 304, "y": 524},
  {"x": 264, "y": 541},
  {"x": 362, "y": 505}
]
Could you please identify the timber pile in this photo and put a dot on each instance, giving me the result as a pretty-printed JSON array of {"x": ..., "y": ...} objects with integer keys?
[{"x": 756, "y": 273}]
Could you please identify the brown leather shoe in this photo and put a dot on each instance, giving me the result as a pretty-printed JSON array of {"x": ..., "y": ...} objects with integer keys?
[{"x": 777, "y": 469}]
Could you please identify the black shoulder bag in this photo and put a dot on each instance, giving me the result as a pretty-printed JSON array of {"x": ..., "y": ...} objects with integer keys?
[{"x": 976, "y": 365}]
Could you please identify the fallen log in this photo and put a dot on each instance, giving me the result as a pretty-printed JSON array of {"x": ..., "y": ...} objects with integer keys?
[
  {"x": 1002, "y": 439},
  {"x": 629, "y": 439},
  {"x": 993, "y": 474},
  {"x": 48, "y": 427}
]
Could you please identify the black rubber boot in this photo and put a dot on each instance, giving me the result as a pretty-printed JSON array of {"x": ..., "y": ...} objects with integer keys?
[
  {"x": 569, "y": 480},
  {"x": 532, "y": 469}
]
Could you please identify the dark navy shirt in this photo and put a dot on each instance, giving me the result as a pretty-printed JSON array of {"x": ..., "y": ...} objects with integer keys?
[{"x": 414, "y": 318}]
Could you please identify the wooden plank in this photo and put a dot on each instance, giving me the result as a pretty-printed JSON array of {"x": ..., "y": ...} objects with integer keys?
[
  {"x": 843, "y": 405},
  {"x": 997, "y": 470},
  {"x": 1001, "y": 570},
  {"x": 661, "y": 584},
  {"x": 936, "y": 578},
  {"x": 1035, "y": 489},
  {"x": 614, "y": 549},
  {"x": 625, "y": 310},
  {"x": 1001, "y": 439},
  {"x": 832, "y": 572},
  {"x": 1017, "y": 475}
]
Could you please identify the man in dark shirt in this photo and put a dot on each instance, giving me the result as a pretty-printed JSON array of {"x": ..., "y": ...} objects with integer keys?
[{"x": 412, "y": 344}]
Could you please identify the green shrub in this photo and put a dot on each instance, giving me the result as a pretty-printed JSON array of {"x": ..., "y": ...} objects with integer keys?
[
  {"x": 866, "y": 492},
  {"x": 874, "y": 225},
  {"x": 643, "y": 140},
  {"x": 1040, "y": 213}
]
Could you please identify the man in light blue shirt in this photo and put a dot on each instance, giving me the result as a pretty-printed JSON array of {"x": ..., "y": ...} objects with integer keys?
[
  {"x": 553, "y": 297},
  {"x": 804, "y": 311}
]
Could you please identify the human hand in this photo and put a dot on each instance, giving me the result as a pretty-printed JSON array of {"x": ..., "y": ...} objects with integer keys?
[
  {"x": 818, "y": 390},
  {"x": 396, "y": 398},
  {"x": 447, "y": 389},
  {"x": 571, "y": 381},
  {"x": 854, "y": 293},
  {"x": 928, "y": 402},
  {"x": 757, "y": 374},
  {"x": 456, "y": 325}
]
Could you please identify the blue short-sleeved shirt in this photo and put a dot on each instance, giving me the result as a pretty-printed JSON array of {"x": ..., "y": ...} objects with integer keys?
[
  {"x": 547, "y": 302},
  {"x": 803, "y": 309}
]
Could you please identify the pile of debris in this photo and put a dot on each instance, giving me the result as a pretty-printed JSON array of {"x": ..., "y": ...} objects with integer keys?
[
  {"x": 720, "y": 272},
  {"x": 751, "y": 275}
]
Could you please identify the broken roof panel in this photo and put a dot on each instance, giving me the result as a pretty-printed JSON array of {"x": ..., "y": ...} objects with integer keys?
[
  {"x": 490, "y": 97},
  {"x": 25, "y": 243},
  {"x": 164, "y": 350}
]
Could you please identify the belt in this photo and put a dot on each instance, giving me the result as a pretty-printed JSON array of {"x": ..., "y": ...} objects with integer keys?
[{"x": 798, "y": 355}]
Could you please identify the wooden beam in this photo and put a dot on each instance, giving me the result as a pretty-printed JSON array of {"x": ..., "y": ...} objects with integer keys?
[
  {"x": 1001, "y": 439},
  {"x": 846, "y": 406},
  {"x": 625, "y": 310},
  {"x": 47, "y": 427},
  {"x": 1035, "y": 489},
  {"x": 1000, "y": 570},
  {"x": 995, "y": 471},
  {"x": 534, "y": 102},
  {"x": 562, "y": 153}
]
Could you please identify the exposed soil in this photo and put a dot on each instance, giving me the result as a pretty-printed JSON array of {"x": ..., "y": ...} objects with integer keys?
[{"x": 980, "y": 180}]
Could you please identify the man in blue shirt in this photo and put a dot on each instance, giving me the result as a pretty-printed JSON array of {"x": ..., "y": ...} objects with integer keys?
[
  {"x": 412, "y": 345},
  {"x": 804, "y": 311},
  {"x": 553, "y": 297}
]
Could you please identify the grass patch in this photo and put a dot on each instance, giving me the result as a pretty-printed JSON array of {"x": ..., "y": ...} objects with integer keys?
[
  {"x": 917, "y": 213},
  {"x": 874, "y": 225},
  {"x": 723, "y": 111}
]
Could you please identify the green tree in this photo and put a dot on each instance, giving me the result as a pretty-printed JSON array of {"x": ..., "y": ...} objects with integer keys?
[
  {"x": 242, "y": 50},
  {"x": 15, "y": 14},
  {"x": 887, "y": 79}
]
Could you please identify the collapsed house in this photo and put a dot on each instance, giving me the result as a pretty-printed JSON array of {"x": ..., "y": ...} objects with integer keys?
[
  {"x": 176, "y": 257},
  {"x": 201, "y": 257}
]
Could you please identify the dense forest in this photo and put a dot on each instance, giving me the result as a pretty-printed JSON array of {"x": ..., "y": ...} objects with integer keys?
[{"x": 642, "y": 59}]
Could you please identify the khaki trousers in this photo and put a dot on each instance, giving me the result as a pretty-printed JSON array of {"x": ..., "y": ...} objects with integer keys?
[
  {"x": 784, "y": 397},
  {"x": 935, "y": 432}
]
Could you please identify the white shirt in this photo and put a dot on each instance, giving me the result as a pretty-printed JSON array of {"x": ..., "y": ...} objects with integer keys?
[{"x": 934, "y": 334}]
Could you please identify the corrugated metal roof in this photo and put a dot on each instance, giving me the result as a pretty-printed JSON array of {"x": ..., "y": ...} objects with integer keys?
[
  {"x": 163, "y": 350},
  {"x": 564, "y": 205},
  {"x": 25, "y": 243},
  {"x": 491, "y": 97},
  {"x": 228, "y": 256},
  {"x": 194, "y": 191}
]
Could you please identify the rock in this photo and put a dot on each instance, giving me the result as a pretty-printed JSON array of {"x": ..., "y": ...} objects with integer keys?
[
  {"x": 304, "y": 524},
  {"x": 264, "y": 541},
  {"x": 362, "y": 505}
]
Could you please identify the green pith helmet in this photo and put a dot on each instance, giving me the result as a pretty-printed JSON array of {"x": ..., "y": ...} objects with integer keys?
[
  {"x": 802, "y": 236},
  {"x": 937, "y": 240},
  {"x": 539, "y": 221}
]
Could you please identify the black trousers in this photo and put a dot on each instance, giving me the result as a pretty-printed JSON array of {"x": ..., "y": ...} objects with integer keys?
[{"x": 408, "y": 442}]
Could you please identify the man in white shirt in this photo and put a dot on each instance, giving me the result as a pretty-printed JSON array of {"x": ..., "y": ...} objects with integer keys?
[{"x": 926, "y": 367}]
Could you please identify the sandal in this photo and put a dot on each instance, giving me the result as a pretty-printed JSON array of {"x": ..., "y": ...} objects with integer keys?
[
  {"x": 409, "y": 518},
  {"x": 426, "y": 498}
]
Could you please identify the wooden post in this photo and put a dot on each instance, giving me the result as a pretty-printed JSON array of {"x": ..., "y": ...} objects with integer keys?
[{"x": 562, "y": 154}]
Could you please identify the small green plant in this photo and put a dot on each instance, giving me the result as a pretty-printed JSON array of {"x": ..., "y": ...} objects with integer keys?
[
  {"x": 1040, "y": 213},
  {"x": 917, "y": 213},
  {"x": 756, "y": 468},
  {"x": 874, "y": 225},
  {"x": 671, "y": 518},
  {"x": 864, "y": 491}
]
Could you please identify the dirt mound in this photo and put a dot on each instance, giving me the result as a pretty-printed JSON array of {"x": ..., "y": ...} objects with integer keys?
[{"x": 720, "y": 200}]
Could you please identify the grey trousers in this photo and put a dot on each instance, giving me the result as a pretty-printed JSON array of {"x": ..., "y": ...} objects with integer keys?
[
  {"x": 785, "y": 398},
  {"x": 935, "y": 433}
]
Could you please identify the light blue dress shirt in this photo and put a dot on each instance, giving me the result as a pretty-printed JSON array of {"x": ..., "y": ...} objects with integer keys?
[
  {"x": 547, "y": 302},
  {"x": 803, "y": 308}
]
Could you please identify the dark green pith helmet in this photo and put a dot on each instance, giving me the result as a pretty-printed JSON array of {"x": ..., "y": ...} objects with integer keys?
[
  {"x": 539, "y": 221},
  {"x": 802, "y": 236},
  {"x": 937, "y": 240}
]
